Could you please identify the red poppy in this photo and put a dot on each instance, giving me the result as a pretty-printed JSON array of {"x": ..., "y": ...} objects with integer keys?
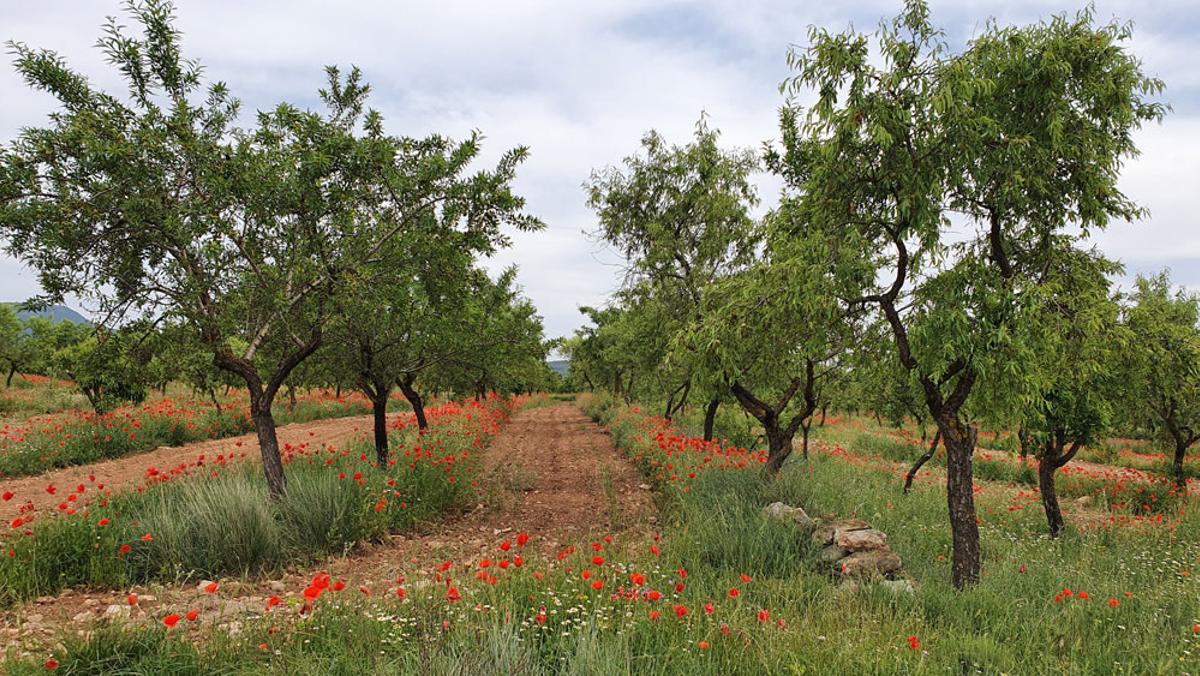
[
  {"x": 522, "y": 539},
  {"x": 703, "y": 645},
  {"x": 1113, "y": 603},
  {"x": 170, "y": 621},
  {"x": 653, "y": 595},
  {"x": 123, "y": 550},
  {"x": 734, "y": 593},
  {"x": 192, "y": 615},
  {"x": 8, "y": 495},
  {"x": 913, "y": 643},
  {"x": 680, "y": 611},
  {"x": 133, "y": 600},
  {"x": 50, "y": 665},
  {"x": 763, "y": 616},
  {"x": 452, "y": 595},
  {"x": 210, "y": 588},
  {"x": 708, "y": 609}
]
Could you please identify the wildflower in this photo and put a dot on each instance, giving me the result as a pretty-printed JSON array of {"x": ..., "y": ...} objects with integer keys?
[
  {"x": 598, "y": 560},
  {"x": 1113, "y": 603},
  {"x": 453, "y": 596},
  {"x": 522, "y": 539},
  {"x": 913, "y": 643},
  {"x": 597, "y": 585},
  {"x": 123, "y": 550},
  {"x": 210, "y": 588},
  {"x": 170, "y": 621},
  {"x": 505, "y": 546},
  {"x": 680, "y": 611},
  {"x": 133, "y": 599},
  {"x": 192, "y": 615},
  {"x": 746, "y": 578},
  {"x": 147, "y": 537},
  {"x": 734, "y": 593},
  {"x": 8, "y": 495},
  {"x": 103, "y": 522},
  {"x": 654, "y": 614},
  {"x": 763, "y": 616},
  {"x": 703, "y": 645},
  {"x": 708, "y": 609},
  {"x": 50, "y": 665},
  {"x": 653, "y": 595}
]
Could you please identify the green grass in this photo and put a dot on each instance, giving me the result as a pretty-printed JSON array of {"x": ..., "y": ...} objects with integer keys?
[
  {"x": 712, "y": 530},
  {"x": 79, "y": 437},
  {"x": 225, "y": 525}
]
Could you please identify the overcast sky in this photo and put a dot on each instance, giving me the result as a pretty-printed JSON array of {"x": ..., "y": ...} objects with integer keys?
[{"x": 579, "y": 83}]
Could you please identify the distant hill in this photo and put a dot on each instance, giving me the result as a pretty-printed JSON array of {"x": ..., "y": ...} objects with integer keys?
[
  {"x": 56, "y": 313},
  {"x": 559, "y": 366}
]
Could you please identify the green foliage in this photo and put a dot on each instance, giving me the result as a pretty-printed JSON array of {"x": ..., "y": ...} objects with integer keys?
[{"x": 1161, "y": 367}]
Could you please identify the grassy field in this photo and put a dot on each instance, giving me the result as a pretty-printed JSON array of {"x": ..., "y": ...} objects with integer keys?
[
  {"x": 47, "y": 433},
  {"x": 722, "y": 590},
  {"x": 217, "y": 521}
]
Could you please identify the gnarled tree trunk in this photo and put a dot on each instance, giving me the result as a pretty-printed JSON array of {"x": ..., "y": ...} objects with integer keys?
[
  {"x": 912, "y": 471},
  {"x": 414, "y": 400}
]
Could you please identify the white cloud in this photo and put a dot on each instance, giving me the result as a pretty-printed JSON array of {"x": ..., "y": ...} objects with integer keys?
[{"x": 580, "y": 83}]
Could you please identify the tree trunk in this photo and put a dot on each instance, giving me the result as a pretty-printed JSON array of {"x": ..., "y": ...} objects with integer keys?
[
  {"x": 1180, "y": 451},
  {"x": 268, "y": 443},
  {"x": 779, "y": 446},
  {"x": 291, "y": 395},
  {"x": 414, "y": 400},
  {"x": 804, "y": 427},
  {"x": 710, "y": 417},
  {"x": 212, "y": 395},
  {"x": 912, "y": 471},
  {"x": 824, "y": 409},
  {"x": 960, "y": 497},
  {"x": 1046, "y": 469},
  {"x": 379, "y": 412},
  {"x": 337, "y": 392},
  {"x": 12, "y": 370}
]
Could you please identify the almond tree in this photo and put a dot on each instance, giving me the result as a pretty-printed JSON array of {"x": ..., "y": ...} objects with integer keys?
[
  {"x": 1021, "y": 137},
  {"x": 1161, "y": 378},
  {"x": 154, "y": 204},
  {"x": 680, "y": 216}
]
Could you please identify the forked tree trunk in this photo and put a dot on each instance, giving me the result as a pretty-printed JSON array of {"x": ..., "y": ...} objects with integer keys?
[
  {"x": 1046, "y": 470},
  {"x": 710, "y": 417},
  {"x": 414, "y": 400},
  {"x": 268, "y": 442},
  {"x": 12, "y": 370},
  {"x": 779, "y": 446},
  {"x": 912, "y": 471}
]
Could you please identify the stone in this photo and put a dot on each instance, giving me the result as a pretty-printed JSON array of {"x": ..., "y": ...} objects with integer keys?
[
  {"x": 45, "y": 600},
  {"x": 117, "y": 610},
  {"x": 833, "y": 554},
  {"x": 82, "y": 617},
  {"x": 276, "y": 586},
  {"x": 901, "y": 586},
  {"x": 203, "y": 584},
  {"x": 825, "y": 530},
  {"x": 782, "y": 512},
  {"x": 1084, "y": 500},
  {"x": 870, "y": 563},
  {"x": 90, "y": 602},
  {"x": 861, "y": 540}
]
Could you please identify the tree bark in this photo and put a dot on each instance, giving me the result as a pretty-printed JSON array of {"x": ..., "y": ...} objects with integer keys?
[
  {"x": 1046, "y": 469},
  {"x": 804, "y": 427},
  {"x": 12, "y": 370},
  {"x": 926, "y": 457},
  {"x": 268, "y": 442},
  {"x": 1181, "y": 447},
  {"x": 959, "y": 440},
  {"x": 779, "y": 445},
  {"x": 824, "y": 409},
  {"x": 414, "y": 400},
  {"x": 379, "y": 414},
  {"x": 710, "y": 417}
]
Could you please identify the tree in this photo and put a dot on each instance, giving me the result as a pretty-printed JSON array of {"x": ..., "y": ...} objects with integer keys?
[
  {"x": 680, "y": 215},
  {"x": 1021, "y": 136},
  {"x": 775, "y": 333},
  {"x": 158, "y": 206},
  {"x": 104, "y": 369},
  {"x": 1162, "y": 377},
  {"x": 14, "y": 342}
]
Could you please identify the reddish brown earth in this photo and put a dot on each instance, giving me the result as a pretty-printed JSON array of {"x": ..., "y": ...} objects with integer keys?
[
  {"x": 131, "y": 471},
  {"x": 552, "y": 473}
]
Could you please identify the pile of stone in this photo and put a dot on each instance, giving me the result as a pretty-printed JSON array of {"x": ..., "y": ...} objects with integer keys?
[{"x": 851, "y": 547}]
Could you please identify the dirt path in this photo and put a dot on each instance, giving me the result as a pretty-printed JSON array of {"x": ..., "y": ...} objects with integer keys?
[
  {"x": 552, "y": 473},
  {"x": 132, "y": 471}
]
